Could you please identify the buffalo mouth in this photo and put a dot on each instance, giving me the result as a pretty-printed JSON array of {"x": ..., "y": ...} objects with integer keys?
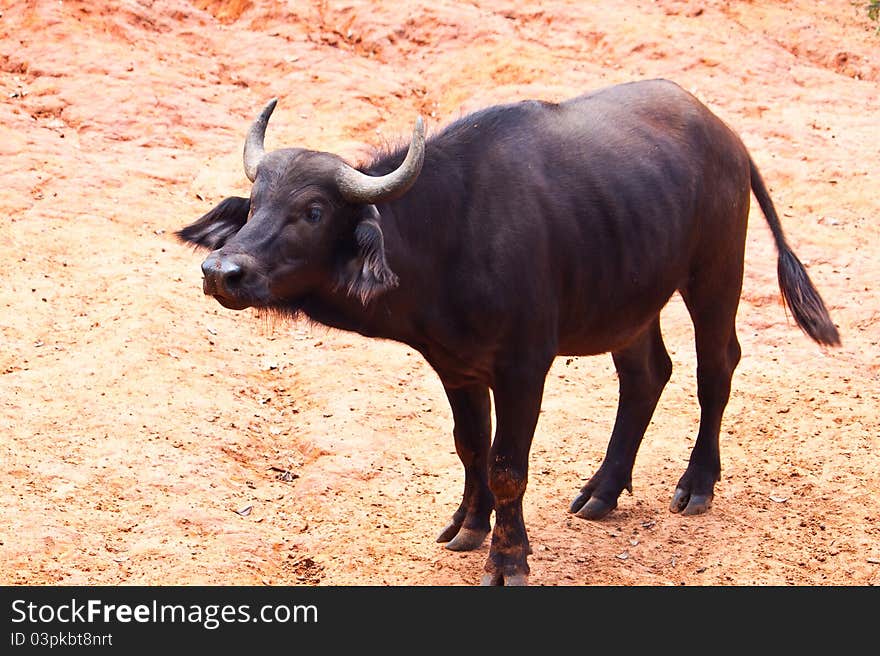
[
  {"x": 224, "y": 298},
  {"x": 232, "y": 303},
  {"x": 233, "y": 292},
  {"x": 287, "y": 306}
]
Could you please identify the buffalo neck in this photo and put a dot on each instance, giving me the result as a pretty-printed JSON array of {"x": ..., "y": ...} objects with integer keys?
[
  {"x": 420, "y": 237},
  {"x": 413, "y": 251}
]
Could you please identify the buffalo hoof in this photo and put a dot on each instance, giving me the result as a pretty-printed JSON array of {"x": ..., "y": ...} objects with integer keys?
[
  {"x": 690, "y": 504},
  {"x": 449, "y": 532},
  {"x": 500, "y": 579},
  {"x": 595, "y": 509},
  {"x": 467, "y": 539},
  {"x": 587, "y": 507}
]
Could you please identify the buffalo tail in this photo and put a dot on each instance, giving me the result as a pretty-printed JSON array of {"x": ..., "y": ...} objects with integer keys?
[{"x": 798, "y": 292}]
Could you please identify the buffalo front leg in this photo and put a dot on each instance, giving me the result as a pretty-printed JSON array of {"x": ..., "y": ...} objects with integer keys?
[
  {"x": 473, "y": 434},
  {"x": 518, "y": 393},
  {"x": 643, "y": 369}
]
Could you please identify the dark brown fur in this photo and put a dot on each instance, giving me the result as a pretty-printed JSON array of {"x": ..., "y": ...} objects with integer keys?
[{"x": 533, "y": 230}]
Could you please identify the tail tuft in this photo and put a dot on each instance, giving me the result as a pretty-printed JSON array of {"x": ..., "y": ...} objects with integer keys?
[{"x": 804, "y": 301}]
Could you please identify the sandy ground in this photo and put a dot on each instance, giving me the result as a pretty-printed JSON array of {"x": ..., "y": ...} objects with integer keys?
[{"x": 138, "y": 416}]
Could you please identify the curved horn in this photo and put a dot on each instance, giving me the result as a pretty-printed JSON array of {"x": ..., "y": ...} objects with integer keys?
[
  {"x": 253, "y": 145},
  {"x": 357, "y": 187}
]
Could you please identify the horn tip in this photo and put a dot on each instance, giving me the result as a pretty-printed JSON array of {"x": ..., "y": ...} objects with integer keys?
[{"x": 269, "y": 108}]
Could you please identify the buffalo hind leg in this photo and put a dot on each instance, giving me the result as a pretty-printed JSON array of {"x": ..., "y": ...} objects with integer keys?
[
  {"x": 473, "y": 434},
  {"x": 643, "y": 369},
  {"x": 718, "y": 353},
  {"x": 518, "y": 392}
]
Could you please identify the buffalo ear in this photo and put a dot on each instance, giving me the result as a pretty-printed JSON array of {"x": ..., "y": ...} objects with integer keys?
[
  {"x": 216, "y": 227},
  {"x": 367, "y": 275}
]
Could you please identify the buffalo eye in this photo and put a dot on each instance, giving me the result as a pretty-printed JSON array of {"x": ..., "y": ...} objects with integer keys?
[{"x": 313, "y": 214}]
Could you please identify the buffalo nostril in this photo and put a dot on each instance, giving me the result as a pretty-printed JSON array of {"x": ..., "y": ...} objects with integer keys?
[
  {"x": 222, "y": 273},
  {"x": 231, "y": 273}
]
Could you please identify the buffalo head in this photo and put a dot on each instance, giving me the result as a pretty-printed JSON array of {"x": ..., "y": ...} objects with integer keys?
[{"x": 310, "y": 225}]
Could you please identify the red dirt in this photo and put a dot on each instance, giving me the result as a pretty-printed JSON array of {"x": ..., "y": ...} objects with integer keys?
[{"x": 138, "y": 415}]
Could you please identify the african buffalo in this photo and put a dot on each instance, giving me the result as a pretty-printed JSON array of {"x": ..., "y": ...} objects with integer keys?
[{"x": 515, "y": 234}]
